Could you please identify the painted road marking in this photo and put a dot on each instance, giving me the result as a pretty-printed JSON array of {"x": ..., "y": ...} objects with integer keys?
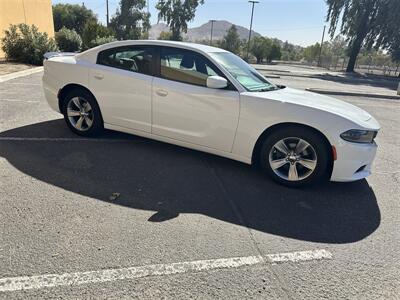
[
  {"x": 12, "y": 284},
  {"x": 299, "y": 256},
  {"x": 22, "y": 83},
  {"x": 17, "y": 100}
]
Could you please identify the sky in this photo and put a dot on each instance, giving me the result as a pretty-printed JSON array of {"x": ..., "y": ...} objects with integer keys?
[{"x": 300, "y": 22}]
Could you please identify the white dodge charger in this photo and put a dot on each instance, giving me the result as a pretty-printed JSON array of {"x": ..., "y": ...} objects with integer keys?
[{"x": 210, "y": 100}]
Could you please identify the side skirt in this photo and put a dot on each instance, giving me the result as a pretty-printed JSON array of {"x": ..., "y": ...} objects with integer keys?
[{"x": 246, "y": 160}]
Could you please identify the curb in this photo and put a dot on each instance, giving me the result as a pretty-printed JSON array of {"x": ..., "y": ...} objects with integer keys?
[
  {"x": 271, "y": 76},
  {"x": 18, "y": 74},
  {"x": 331, "y": 92}
]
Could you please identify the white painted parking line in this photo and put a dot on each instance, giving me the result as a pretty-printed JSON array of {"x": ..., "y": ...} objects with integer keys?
[
  {"x": 17, "y": 100},
  {"x": 46, "y": 139},
  {"x": 22, "y": 83},
  {"x": 22, "y": 73},
  {"x": 299, "y": 256},
  {"x": 78, "y": 278}
]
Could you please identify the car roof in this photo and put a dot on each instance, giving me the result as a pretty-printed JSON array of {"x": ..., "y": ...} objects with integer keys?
[{"x": 91, "y": 54}]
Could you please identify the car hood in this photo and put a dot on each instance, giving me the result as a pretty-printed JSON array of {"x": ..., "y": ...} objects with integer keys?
[{"x": 317, "y": 101}]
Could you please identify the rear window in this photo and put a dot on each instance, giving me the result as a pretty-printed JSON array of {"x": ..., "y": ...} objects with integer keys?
[{"x": 131, "y": 58}]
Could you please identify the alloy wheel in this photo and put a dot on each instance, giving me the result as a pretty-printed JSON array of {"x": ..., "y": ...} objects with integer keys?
[
  {"x": 80, "y": 113},
  {"x": 293, "y": 159}
]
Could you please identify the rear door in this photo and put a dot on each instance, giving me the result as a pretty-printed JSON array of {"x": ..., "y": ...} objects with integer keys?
[
  {"x": 185, "y": 109},
  {"x": 122, "y": 83}
]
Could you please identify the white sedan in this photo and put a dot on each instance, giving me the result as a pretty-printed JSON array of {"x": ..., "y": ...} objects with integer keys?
[{"x": 210, "y": 100}]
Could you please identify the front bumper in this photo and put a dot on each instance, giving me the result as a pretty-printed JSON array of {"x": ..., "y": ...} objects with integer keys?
[{"x": 354, "y": 161}]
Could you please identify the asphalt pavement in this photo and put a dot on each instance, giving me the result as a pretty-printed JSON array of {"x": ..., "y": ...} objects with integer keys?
[{"x": 121, "y": 216}]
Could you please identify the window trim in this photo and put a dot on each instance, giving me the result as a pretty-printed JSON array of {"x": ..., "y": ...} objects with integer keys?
[
  {"x": 153, "y": 69},
  {"x": 157, "y": 56}
]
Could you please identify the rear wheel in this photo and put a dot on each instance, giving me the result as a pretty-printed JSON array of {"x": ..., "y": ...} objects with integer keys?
[
  {"x": 295, "y": 157},
  {"x": 81, "y": 113}
]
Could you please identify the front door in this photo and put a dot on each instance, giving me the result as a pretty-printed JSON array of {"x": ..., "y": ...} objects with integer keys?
[{"x": 185, "y": 109}]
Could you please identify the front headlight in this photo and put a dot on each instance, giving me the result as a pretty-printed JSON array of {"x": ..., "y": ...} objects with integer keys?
[{"x": 359, "y": 136}]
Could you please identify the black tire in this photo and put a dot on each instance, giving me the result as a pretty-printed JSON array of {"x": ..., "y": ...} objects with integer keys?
[
  {"x": 319, "y": 151},
  {"x": 97, "y": 120}
]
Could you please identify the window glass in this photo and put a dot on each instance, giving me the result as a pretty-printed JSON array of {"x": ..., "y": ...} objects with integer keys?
[
  {"x": 131, "y": 58},
  {"x": 186, "y": 66},
  {"x": 247, "y": 76}
]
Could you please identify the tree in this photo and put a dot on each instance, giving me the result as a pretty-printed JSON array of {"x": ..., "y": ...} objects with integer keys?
[
  {"x": 311, "y": 53},
  {"x": 291, "y": 52},
  {"x": 369, "y": 23},
  {"x": 274, "y": 52},
  {"x": 165, "y": 35},
  {"x": 71, "y": 16},
  {"x": 177, "y": 13},
  {"x": 395, "y": 52},
  {"x": 68, "y": 40},
  {"x": 339, "y": 46},
  {"x": 260, "y": 47},
  {"x": 94, "y": 31},
  {"x": 130, "y": 20},
  {"x": 231, "y": 41}
]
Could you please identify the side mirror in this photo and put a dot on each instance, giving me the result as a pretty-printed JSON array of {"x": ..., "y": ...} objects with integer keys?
[{"x": 216, "y": 82}]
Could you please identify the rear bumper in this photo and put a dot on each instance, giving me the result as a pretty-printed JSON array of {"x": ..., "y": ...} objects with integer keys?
[
  {"x": 50, "y": 94},
  {"x": 354, "y": 161}
]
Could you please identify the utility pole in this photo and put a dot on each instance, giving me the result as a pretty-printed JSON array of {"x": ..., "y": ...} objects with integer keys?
[
  {"x": 251, "y": 25},
  {"x": 320, "y": 48},
  {"x": 212, "y": 28},
  {"x": 108, "y": 15}
]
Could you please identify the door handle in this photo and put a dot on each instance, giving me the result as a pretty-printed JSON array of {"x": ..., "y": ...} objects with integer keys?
[
  {"x": 162, "y": 93},
  {"x": 99, "y": 76}
]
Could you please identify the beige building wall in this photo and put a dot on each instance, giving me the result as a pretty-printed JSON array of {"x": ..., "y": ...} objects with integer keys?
[{"x": 37, "y": 12}]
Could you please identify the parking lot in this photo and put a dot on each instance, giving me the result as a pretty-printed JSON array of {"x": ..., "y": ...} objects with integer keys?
[{"x": 121, "y": 216}]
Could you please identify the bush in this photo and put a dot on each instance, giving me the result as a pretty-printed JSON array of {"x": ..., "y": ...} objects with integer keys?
[
  {"x": 68, "y": 40},
  {"x": 95, "y": 31},
  {"x": 102, "y": 40},
  {"x": 165, "y": 35},
  {"x": 26, "y": 44}
]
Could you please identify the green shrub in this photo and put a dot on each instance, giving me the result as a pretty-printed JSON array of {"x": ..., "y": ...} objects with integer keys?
[
  {"x": 68, "y": 40},
  {"x": 102, "y": 40},
  {"x": 26, "y": 44},
  {"x": 165, "y": 35},
  {"x": 95, "y": 31}
]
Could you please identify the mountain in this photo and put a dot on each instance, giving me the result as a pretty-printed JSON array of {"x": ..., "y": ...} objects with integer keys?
[
  {"x": 156, "y": 29},
  {"x": 203, "y": 32},
  {"x": 219, "y": 30}
]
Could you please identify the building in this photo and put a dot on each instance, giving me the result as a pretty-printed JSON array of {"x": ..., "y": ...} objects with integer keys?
[{"x": 37, "y": 12}]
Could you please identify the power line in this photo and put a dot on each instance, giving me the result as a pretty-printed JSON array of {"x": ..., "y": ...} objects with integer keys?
[{"x": 288, "y": 29}]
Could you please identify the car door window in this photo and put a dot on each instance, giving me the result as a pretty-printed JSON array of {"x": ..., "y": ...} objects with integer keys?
[
  {"x": 130, "y": 58},
  {"x": 186, "y": 66}
]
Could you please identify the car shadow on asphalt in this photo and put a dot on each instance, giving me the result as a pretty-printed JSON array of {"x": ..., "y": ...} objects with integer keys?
[{"x": 171, "y": 180}]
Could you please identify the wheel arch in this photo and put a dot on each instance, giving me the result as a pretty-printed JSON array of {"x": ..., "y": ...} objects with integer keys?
[
  {"x": 66, "y": 89},
  {"x": 257, "y": 147}
]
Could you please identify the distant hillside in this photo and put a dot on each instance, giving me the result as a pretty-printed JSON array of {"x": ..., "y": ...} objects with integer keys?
[
  {"x": 156, "y": 29},
  {"x": 203, "y": 32}
]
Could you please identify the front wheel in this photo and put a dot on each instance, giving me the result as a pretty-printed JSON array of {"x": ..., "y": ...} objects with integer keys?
[
  {"x": 81, "y": 113},
  {"x": 295, "y": 157}
]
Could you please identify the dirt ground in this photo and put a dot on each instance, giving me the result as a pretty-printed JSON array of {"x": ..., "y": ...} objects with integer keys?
[{"x": 7, "y": 67}]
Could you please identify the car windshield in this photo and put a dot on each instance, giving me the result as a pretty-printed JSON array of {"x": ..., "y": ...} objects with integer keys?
[{"x": 247, "y": 76}]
